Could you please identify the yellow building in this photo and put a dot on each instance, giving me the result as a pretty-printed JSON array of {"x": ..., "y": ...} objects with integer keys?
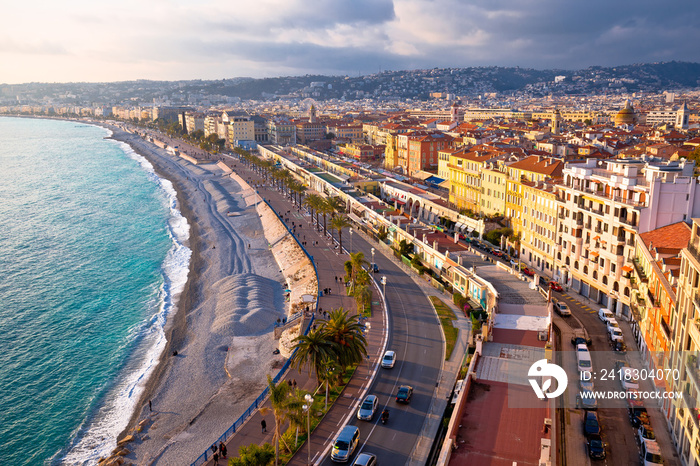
[
  {"x": 539, "y": 226},
  {"x": 390, "y": 152},
  {"x": 493, "y": 188},
  {"x": 465, "y": 176}
]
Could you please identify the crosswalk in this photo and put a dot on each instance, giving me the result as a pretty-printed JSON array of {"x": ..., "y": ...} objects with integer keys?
[{"x": 585, "y": 307}]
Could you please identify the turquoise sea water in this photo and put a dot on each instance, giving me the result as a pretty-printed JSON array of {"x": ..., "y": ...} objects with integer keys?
[{"x": 91, "y": 254}]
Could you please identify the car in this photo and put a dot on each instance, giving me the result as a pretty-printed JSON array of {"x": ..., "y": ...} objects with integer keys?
[
  {"x": 374, "y": 268},
  {"x": 650, "y": 453},
  {"x": 513, "y": 263},
  {"x": 638, "y": 415},
  {"x": 404, "y": 394},
  {"x": 562, "y": 309},
  {"x": 591, "y": 426},
  {"x": 365, "y": 459},
  {"x": 615, "y": 334},
  {"x": 644, "y": 431},
  {"x": 585, "y": 400},
  {"x": 366, "y": 410},
  {"x": 628, "y": 381},
  {"x": 580, "y": 335},
  {"x": 389, "y": 359},
  {"x": 555, "y": 286},
  {"x": 605, "y": 314},
  {"x": 596, "y": 447},
  {"x": 612, "y": 323},
  {"x": 345, "y": 443},
  {"x": 583, "y": 360},
  {"x": 497, "y": 253},
  {"x": 528, "y": 272}
]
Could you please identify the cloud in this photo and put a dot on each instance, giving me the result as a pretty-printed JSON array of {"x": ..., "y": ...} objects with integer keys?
[{"x": 225, "y": 38}]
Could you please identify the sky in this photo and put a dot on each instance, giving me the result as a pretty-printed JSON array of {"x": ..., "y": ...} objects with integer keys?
[{"x": 100, "y": 41}]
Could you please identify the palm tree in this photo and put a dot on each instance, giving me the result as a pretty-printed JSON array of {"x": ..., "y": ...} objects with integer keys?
[
  {"x": 278, "y": 398},
  {"x": 253, "y": 455},
  {"x": 312, "y": 350},
  {"x": 338, "y": 223},
  {"x": 354, "y": 266},
  {"x": 326, "y": 207},
  {"x": 313, "y": 202},
  {"x": 337, "y": 204},
  {"x": 362, "y": 295},
  {"x": 349, "y": 344}
]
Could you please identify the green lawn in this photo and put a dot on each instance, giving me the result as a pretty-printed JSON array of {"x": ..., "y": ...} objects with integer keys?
[{"x": 446, "y": 317}]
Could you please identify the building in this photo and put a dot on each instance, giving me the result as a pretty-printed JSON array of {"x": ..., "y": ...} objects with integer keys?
[
  {"x": 676, "y": 117},
  {"x": 465, "y": 169},
  {"x": 603, "y": 206},
  {"x": 281, "y": 131},
  {"x": 240, "y": 128},
  {"x": 422, "y": 151},
  {"x": 538, "y": 237}
]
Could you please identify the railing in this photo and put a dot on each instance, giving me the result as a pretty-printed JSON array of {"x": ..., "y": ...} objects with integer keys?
[{"x": 208, "y": 454}]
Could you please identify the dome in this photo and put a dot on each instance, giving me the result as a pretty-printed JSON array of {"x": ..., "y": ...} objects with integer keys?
[{"x": 626, "y": 116}]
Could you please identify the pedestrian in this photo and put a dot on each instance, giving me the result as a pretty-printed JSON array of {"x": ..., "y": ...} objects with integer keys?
[
  {"x": 289, "y": 382},
  {"x": 213, "y": 448},
  {"x": 294, "y": 383},
  {"x": 150, "y": 406},
  {"x": 222, "y": 449},
  {"x": 216, "y": 458}
]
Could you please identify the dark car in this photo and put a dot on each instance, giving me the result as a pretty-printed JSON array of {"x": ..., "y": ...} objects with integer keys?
[
  {"x": 404, "y": 394},
  {"x": 596, "y": 447},
  {"x": 591, "y": 425},
  {"x": 555, "y": 286},
  {"x": 638, "y": 415}
]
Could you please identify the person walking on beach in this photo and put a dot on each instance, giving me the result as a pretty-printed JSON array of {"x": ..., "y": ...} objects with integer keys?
[
  {"x": 263, "y": 424},
  {"x": 222, "y": 449}
]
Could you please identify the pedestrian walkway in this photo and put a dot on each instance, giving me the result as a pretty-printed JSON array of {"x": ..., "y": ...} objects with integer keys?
[{"x": 330, "y": 264}]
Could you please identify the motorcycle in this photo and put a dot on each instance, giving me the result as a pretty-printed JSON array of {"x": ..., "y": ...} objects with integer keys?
[{"x": 385, "y": 416}]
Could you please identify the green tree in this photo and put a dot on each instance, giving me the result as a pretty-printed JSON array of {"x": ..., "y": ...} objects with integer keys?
[
  {"x": 326, "y": 208},
  {"x": 338, "y": 223},
  {"x": 312, "y": 350},
  {"x": 349, "y": 344},
  {"x": 354, "y": 266},
  {"x": 253, "y": 455},
  {"x": 278, "y": 399},
  {"x": 314, "y": 202}
]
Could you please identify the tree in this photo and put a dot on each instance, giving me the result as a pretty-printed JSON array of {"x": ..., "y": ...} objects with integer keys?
[
  {"x": 312, "y": 350},
  {"x": 313, "y": 202},
  {"x": 362, "y": 295},
  {"x": 349, "y": 344},
  {"x": 338, "y": 223},
  {"x": 253, "y": 455},
  {"x": 278, "y": 398},
  {"x": 354, "y": 266},
  {"x": 337, "y": 204},
  {"x": 326, "y": 207}
]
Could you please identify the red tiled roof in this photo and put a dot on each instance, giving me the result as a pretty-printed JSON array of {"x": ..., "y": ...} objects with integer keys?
[{"x": 675, "y": 236}]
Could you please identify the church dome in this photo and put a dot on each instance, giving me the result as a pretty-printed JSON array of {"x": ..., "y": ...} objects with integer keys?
[{"x": 626, "y": 116}]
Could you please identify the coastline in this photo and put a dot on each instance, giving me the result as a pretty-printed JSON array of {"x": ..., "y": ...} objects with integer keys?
[{"x": 223, "y": 355}]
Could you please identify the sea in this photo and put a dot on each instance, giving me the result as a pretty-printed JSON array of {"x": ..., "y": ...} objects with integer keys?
[{"x": 92, "y": 258}]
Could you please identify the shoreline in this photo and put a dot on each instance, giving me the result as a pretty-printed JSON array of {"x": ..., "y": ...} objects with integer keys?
[{"x": 223, "y": 324}]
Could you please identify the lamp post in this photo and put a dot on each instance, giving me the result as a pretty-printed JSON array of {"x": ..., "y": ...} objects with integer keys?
[
  {"x": 368, "y": 326},
  {"x": 384, "y": 283},
  {"x": 372, "y": 259},
  {"x": 307, "y": 407},
  {"x": 350, "y": 230}
]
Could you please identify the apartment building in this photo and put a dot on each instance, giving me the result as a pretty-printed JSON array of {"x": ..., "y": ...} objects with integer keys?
[
  {"x": 423, "y": 150},
  {"x": 493, "y": 183},
  {"x": 281, "y": 131},
  {"x": 240, "y": 128},
  {"x": 685, "y": 347},
  {"x": 465, "y": 171},
  {"x": 539, "y": 225},
  {"x": 677, "y": 117},
  {"x": 603, "y": 206}
]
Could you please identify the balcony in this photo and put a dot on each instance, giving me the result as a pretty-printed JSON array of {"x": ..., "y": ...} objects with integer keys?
[
  {"x": 693, "y": 250},
  {"x": 639, "y": 271},
  {"x": 691, "y": 368}
]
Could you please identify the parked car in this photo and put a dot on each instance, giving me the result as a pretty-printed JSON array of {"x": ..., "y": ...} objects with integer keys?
[
  {"x": 345, "y": 443},
  {"x": 528, "y": 272},
  {"x": 497, "y": 252},
  {"x": 562, "y": 309},
  {"x": 404, "y": 394},
  {"x": 389, "y": 359},
  {"x": 612, "y": 323},
  {"x": 580, "y": 335},
  {"x": 644, "y": 431},
  {"x": 605, "y": 314},
  {"x": 615, "y": 334},
  {"x": 555, "y": 286},
  {"x": 596, "y": 447},
  {"x": 585, "y": 385},
  {"x": 365, "y": 459},
  {"x": 637, "y": 415},
  {"x": 366, "y": 410},
  {"x": 583, "y": 359},
  {"x": 650, "y": 453},
  {"x": 591, "y": 426},
  {"x": 585, "y": 400}
]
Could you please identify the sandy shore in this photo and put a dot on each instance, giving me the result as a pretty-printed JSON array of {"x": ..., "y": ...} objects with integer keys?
[{"x": 223, "y": 329}]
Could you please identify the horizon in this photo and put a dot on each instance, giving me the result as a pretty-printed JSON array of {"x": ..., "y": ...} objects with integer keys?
[{"x": 80, "y": 42}]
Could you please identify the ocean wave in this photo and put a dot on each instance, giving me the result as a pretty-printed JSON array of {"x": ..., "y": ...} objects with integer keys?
[{"x": 96, "y": 437}]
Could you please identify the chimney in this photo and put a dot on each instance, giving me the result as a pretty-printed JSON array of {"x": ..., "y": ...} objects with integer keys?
[
  {"x": 456, "y": 237},
  {"x": 425, "y": 238},
  {"x": 435, "y": 245},
  {"x": 447, "y": 254}
]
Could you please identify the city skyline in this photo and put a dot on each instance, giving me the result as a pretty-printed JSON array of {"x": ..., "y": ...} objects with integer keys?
[{"x": 90, "y": 42}]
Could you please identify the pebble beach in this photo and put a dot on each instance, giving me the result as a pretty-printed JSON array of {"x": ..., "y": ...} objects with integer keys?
[{"x": 221, "y": 339}]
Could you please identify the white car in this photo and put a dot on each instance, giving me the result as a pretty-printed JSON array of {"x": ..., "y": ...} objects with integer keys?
[
  {"x": 615, "y": 334},
  {"x": 563, "y": 309},
  {"x": 389, "y": 359},
  {"x": 612, "y": 323},
  {"x": 605, "y": 314}
]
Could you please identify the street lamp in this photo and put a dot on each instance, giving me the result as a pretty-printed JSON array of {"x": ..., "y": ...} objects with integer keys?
[
  {"x": 350, "y": 230},
  {"x": 384, "y": 283},
  {"x": 368, "y": 326},
  {"x": 372, "y": 259},
  {"x": 307, "y": 407}
]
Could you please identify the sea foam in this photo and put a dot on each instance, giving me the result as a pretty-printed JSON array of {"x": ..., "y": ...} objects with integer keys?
[{"x": 97, "y": 436}]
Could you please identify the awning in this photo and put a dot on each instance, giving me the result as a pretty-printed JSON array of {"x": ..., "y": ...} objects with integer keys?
[
  {"x": 596, "y": 238},
  {"x": 594, "y": 253},
  {"x": 627, "y": 268},
  {"x": 459, "y": 226}
]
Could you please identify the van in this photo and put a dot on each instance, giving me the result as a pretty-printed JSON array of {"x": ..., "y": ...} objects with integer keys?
[
  {"x": 345, "y": 444},
  {"x": 583, "y": 359},
  {"x": 605, "y": 315},
  {"x": 650, "y": 453}
]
